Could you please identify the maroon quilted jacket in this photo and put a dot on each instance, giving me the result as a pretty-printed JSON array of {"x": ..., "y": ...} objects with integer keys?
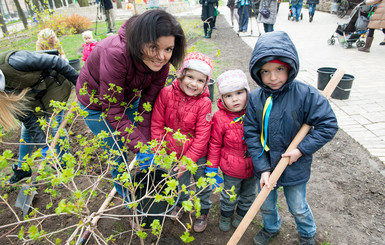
[
  {"x": 192, "y": 115},
  {"x": 109, "y": 63},
  {"x": 227, "y": 147}
]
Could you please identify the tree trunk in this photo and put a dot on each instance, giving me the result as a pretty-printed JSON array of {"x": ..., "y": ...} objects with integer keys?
[
  {"x": 83, "y": 3},
  {"x": 3, "y": 25},
  {"x": 58, "y": 3},
  {"x": 36, "y": 6},
  {"x": 21, "y": 14},
  {"x": 118, "y": 4},
  {"x": 29, "y": 7}
]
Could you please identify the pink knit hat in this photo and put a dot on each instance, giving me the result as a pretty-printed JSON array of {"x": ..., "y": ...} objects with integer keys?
[
  {"x": 199, "y": 62},
  {"x": 231, "y": 81}
]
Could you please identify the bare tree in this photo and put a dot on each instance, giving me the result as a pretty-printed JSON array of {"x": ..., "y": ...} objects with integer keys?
[
  {"x": 3, "y": 26},
  {"x": 83, "y": 3},
  {"x": 21, "y": 14}
]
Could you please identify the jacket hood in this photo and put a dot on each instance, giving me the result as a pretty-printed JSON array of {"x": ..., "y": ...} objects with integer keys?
[
  {"x": 270, "y": 46},
  {"x": 176, "y": 85}
]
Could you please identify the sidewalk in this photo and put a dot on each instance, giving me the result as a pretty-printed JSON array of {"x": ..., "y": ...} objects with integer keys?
[{"x": 362, "y": 116}]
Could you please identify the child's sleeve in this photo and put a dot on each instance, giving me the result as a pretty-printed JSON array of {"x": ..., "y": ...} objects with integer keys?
[
  {"x": 202, "y": 133},
  {"x": 252, "y": 134},
  {"x": 321, "y": 116},
  {"x": 216, "y": 142},
  {"x": 157, "y": 120}
]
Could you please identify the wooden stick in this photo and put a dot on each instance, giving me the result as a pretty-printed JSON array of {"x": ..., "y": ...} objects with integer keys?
[{"x": 282, "y": 164}]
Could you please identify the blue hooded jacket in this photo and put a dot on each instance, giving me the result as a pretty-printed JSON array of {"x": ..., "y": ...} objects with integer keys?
[{"x": 294, "y": 104}]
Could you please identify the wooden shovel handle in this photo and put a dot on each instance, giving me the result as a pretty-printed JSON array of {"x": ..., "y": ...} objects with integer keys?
[{"x": 282, "y": 164}]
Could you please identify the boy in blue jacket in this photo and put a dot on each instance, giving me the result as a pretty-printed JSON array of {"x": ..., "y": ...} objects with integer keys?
[{"x": 275, "y": 113}]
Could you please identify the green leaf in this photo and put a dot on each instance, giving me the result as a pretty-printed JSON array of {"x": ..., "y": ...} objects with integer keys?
[{"x": 186, "y": 238}]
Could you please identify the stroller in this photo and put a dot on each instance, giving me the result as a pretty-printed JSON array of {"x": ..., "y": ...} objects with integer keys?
[
  {"x": 290, "y": 14},
  {"x": 351, "y": 32}
]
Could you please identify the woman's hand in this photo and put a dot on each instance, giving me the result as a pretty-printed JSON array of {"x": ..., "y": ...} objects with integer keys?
[
  {"x": 181, "y": 170},
  {"x": 293, "y": 155}
]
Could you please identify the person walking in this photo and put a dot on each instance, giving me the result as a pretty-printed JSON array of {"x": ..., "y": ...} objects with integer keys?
[
  {"x": 312, "y": 6},
  {"x": 296, "y": 7},
  {"x": 232, "y": 5},
  {"x": 207, "y": 16},
  {"x": 29, "y": 80},
  {"x": 243, "y": 13},
  {"x": 270, "y": 19},
  {"x": 110, "y": 15},
  {"x": 377, "y": 21},
  {"x": 123, "y": 74}
]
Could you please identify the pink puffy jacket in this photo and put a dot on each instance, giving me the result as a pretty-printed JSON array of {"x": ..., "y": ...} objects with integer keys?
[
  {"x": 108, "y": 63},
  {"x": 227, "y": 148},
  {"x": 192, "y": 115},
  {"x": 87, "y": 48}
]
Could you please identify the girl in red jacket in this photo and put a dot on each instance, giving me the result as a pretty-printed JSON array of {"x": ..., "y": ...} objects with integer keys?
[
  {"x": 228, "y": 150},
  {"x": 185, "y": 105},
  {"x": 88, "y": 45}
]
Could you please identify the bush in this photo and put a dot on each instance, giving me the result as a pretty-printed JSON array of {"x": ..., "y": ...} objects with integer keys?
[{"x": 78, "y": 23}]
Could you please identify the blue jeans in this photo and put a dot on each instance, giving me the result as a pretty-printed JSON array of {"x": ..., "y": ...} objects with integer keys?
[
  {"x": 243, "y": 12},
  {"x": 27, "y": 148},
  {"x": 97, "y": 125},
  {"x": 312, "y": 9},
  {"x": 298, "y": 207},
  {"x": 296, "y": 11},
  {"x": 268, "y": 27}
]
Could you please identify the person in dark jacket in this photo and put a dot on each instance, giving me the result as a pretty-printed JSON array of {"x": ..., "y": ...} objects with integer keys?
[
  {"x": 274, "y": 114},
  {"x": 208, "y": 11},
  {"x": 110, "y": 15},
  {"x": 29, "y": 80},
  {"x": 312, "y": 5},
  {"x": 123, "y": 68}
]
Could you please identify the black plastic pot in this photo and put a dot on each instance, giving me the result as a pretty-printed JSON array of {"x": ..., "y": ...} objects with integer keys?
[
  {"x": 211, "y": 89},
  {"x": 342, "y": 91},
  {"x": 75, "y": 63}
]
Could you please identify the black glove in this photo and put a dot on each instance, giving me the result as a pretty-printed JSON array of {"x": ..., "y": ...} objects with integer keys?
[{"x": 32, "y": 125}]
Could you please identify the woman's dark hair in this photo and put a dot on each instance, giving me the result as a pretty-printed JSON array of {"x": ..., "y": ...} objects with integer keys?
[{"x": 148, "y": 27}]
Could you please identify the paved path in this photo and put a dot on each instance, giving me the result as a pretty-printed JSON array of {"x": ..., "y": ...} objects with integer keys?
[{"x": 362, "y": 116}]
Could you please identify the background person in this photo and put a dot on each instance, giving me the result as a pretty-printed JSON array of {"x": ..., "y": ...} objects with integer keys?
[
  {"x": 136, "y": 61},
  {"x": 110, "y": 15},
  {"x": 296, "y": 7},
  {"x": 207, "y": 16},
  {"x": 268, "y": 23},
  {"x": 312, "y": 6},
  {"x": 243, "y": 13},
  {"x": 47, "y": 40},
  {"x": 29, "y": 80},
  {"x": 88, "y": 45}
]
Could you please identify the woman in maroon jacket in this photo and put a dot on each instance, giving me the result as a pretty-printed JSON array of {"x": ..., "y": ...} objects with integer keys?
[{"x": 123, "y": 68}]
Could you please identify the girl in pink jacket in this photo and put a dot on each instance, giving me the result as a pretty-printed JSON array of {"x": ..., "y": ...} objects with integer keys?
[
  {"x": 227, "y": 148},
  {"x": 88, "y": 45},
  {"x": 185, "y": 105}
]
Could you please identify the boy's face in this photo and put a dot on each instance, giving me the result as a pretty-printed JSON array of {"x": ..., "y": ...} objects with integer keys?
[
  {"x": 193, "y": 82},
  {"x": 274, "y": 75},
  {"x": 87, "y": 39},
  {"x": 235, "y": 101}
]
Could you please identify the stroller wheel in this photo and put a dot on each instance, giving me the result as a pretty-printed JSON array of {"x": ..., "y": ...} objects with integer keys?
[
  {"x": 301, "y": 16},
  {"x": 331, "y": 41},
  {"x": 360, "y": 43},
  {"x": 347, "y": 45},
  {"x": 288, "y": 16}
]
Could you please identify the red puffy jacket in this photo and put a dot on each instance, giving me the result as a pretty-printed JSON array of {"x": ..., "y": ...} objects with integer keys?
[
  {"x": 108, "y": 63},
  {"x": 87, "y": 48},
  {"x": 227, "y": 148},
  {"x": 192, "y": 115}
]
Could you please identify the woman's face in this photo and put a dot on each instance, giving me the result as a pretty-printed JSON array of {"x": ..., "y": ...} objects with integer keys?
[
  {"x": 156, "y": 55},
  {"x": 51, "y": 39}
]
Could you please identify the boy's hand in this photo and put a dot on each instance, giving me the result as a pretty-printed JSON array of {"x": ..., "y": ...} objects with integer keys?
[
  {"x": 293, "y": 155},
  {"x": 265, "y": 180},
  {"x": 181, "y": 170}
]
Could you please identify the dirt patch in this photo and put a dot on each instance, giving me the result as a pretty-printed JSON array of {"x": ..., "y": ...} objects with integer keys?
[{"x": 346, "y": 189}]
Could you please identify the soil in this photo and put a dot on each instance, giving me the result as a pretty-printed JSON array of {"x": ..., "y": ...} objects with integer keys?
[{"x": 346, "y": 191}]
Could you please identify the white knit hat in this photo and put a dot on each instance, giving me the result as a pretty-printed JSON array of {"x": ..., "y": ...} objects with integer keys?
[
  {"x": 87, "y": 34},
  {"x": 231, "y": 81},
  {"x": 199, "y": 62}
]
